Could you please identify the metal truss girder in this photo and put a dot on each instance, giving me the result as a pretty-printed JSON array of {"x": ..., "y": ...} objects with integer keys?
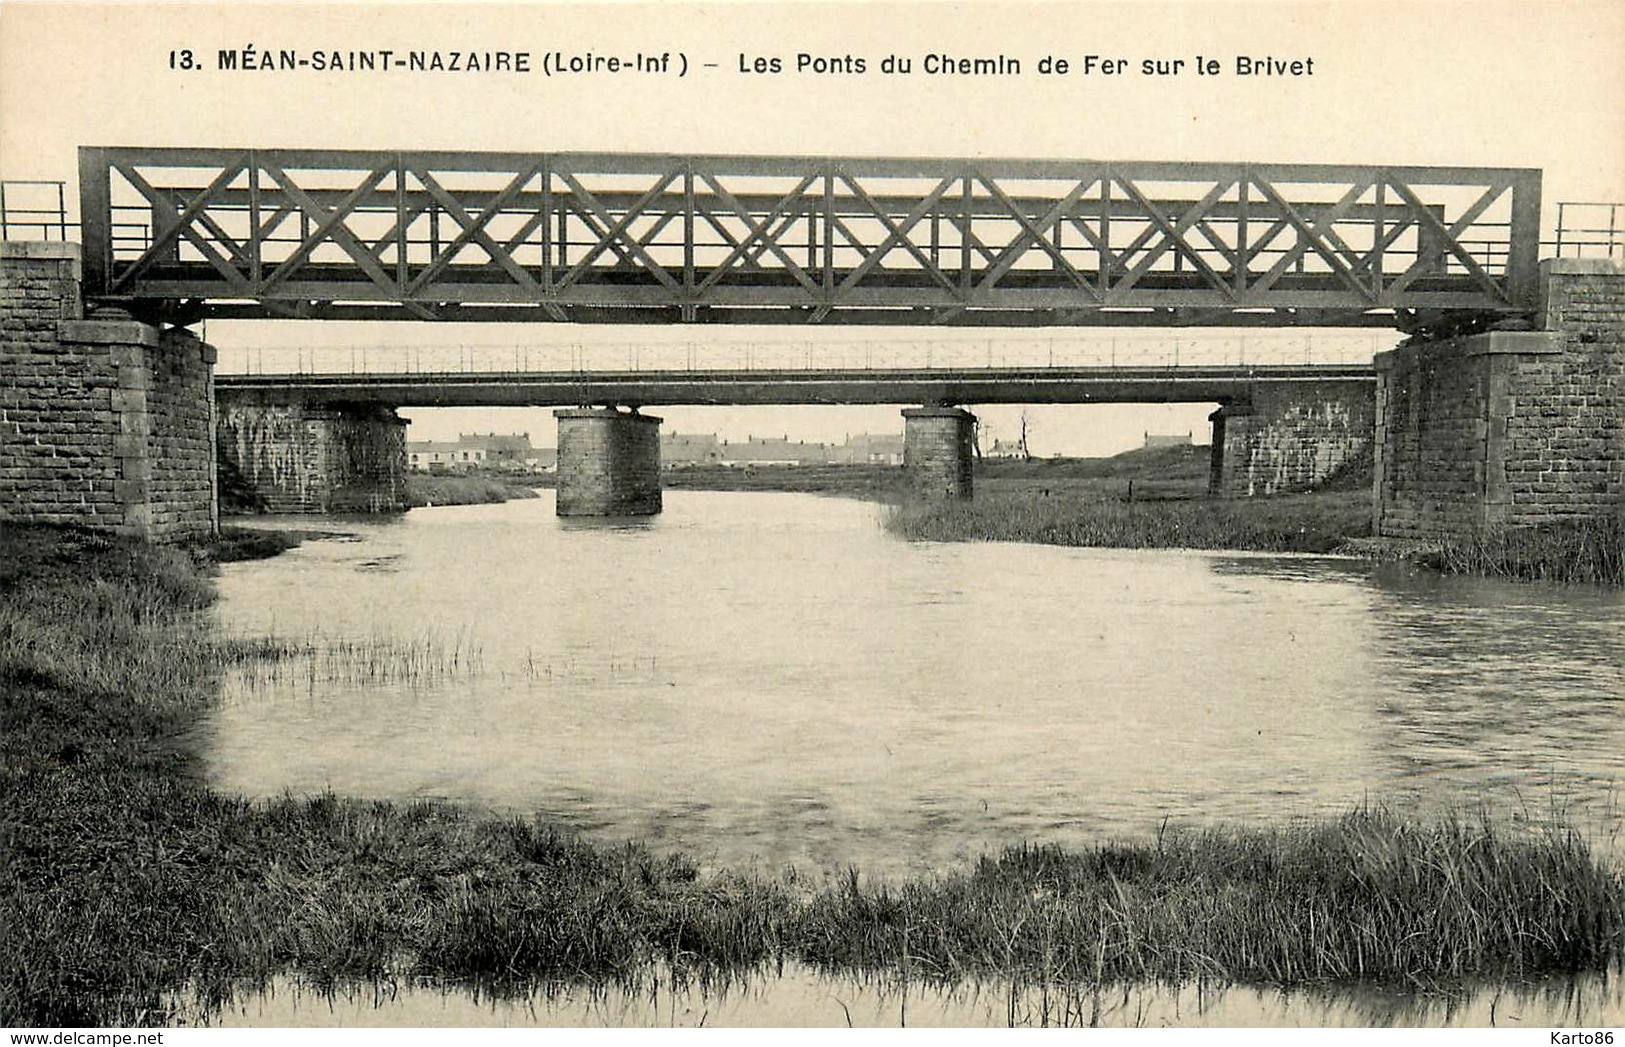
[
  {"x": 897, "y": 232},
  {"x": 757, "y": 231},
  {"x": 1318, "y": 236},
  {"x": 330, "y": 227},
  {"x": 1034, "y": 235},
  {"x": 616, "y": 228},
  {"x": 719, "y": 239},
  {"x": 473, "y": 229},
  {"x": 1173, "y": 234},
  {"x": 1450, "y": 235},
  {"x": 181, "y": 226},
  {"x": 951, "y": 317}
]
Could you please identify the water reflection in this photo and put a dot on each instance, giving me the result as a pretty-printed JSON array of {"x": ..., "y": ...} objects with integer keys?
[
  {"x": 799, "y": 997},
  {"x": 770, "y": 679},
  {"x": 632, "y": 524},
  {"x": 1512, "y": 697}
]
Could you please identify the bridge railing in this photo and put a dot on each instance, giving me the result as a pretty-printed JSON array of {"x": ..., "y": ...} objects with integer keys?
[
  {"x": 641, "y": 238},
  {"x": 1590, "y": 230},
  {"x": 811, "y": 356},
  {"x": 31, "y": 209}
]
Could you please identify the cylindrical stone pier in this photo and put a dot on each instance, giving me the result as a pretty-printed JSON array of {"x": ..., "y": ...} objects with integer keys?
[
  {"x": 937, "y": 450},
  {"x": 609, "y": 463}
]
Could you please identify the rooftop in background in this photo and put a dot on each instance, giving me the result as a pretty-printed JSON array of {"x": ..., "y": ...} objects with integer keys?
[
  {"x": 511, "y": 452},
  {"x": 679, "y": 450}
]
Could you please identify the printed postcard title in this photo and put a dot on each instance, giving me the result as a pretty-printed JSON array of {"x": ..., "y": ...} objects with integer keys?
[{"x": 558, "y": 62}]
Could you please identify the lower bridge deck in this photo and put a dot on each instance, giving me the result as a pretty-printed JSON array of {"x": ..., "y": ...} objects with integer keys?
[{"x": 1047, "y": 385}]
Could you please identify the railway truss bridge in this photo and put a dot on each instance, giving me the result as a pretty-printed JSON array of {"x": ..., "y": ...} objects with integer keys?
[{"x": 1504, "y": 407}]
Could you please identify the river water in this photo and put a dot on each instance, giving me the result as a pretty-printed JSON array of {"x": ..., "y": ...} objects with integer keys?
[{"x": 771, "y": 679}]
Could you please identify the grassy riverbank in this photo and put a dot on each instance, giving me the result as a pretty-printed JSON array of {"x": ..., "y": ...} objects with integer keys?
[
  {"x": 423, "y": 489},
  {"x": 128, "y": 880},
  {"x": 1156, "y": 499},
  {"x": 1315, "y": 522},
  {"x": 1141, "y": 499},
  {"x": 882, "y": 483},
  {"x": 1168, "y": 472}
]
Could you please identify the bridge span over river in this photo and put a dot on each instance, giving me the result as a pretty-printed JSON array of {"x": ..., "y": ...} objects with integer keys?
[
  {"x": 264, "y": 417},
  {"x": 1145, "y": 368},
  {"x": 1504, "y": 408}
]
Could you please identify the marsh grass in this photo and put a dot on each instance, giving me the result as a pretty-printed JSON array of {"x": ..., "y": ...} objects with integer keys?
[
  {"x": 423, "y": 490},
  {"x": 426, "y": 660},
  {"x": 1368, "y": 896},
  {"x": 235, "y": 543},
  {"x": 1316, "y": 523},
  {"x": 1588, "y": 552},
  {"x": 127, "y": 883}
]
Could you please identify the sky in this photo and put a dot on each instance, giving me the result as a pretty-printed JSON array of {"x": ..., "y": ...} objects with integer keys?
[{"x": 1504, "y": 83}]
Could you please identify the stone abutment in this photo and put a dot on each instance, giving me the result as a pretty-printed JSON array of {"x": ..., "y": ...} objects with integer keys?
[
  {"x": 296, "y": 456},
  {"x": 105, "y": 422},
  {"x": 1509, "y": 429},
  {"x": 1290, "y": 436}
]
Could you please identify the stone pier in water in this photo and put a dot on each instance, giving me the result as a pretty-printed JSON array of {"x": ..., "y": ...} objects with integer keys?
[{"x": 609, "y": 462}]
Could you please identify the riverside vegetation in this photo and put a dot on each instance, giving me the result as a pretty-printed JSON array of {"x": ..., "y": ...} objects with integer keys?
[
  {"x": 423, "y": 489},
  {"x": 1150, "y": 499},
  {"x": 1155, "y": 499},
  {"x": 129, "y": 887}
]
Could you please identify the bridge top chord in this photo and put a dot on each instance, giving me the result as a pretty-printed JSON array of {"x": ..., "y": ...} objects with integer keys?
[{"x": 184, "y": 234}]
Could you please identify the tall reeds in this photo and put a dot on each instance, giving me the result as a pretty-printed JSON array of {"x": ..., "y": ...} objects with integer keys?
[
  {"x": 424, "y": 660},
  {"x": 1588, "y": 551}
]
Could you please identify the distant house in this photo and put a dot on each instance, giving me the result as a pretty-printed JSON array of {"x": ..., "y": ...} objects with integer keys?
[
  {"x": 1170, "y": 440},
  {"x": 869, "y": 449},
  {"x": 510, "y": 453},
  {"x": 507, "y": 452},
  {"x": 1005, "y": 449},
  {"x": 758, "y": 450},
  {"x": 437, "y": 457},
  {"x": 544, "y": 459},
  {"x": 686, "y": 450}
]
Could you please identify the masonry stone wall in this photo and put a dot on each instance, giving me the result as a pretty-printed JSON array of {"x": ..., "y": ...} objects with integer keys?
[
  {"x": 1508, "y": 429},
  {"x": 180, "y": 436},
  {"x": 104, "y": 422},
  {"x": 1290, "y": 436},
  {"x": 938, "y": 446},
  {"x": 299, "y": 457},
  {"x": 1429, "y": 459},
  {"x": 608, "y": 464},
  {"x": 1565, "y": 412}
]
